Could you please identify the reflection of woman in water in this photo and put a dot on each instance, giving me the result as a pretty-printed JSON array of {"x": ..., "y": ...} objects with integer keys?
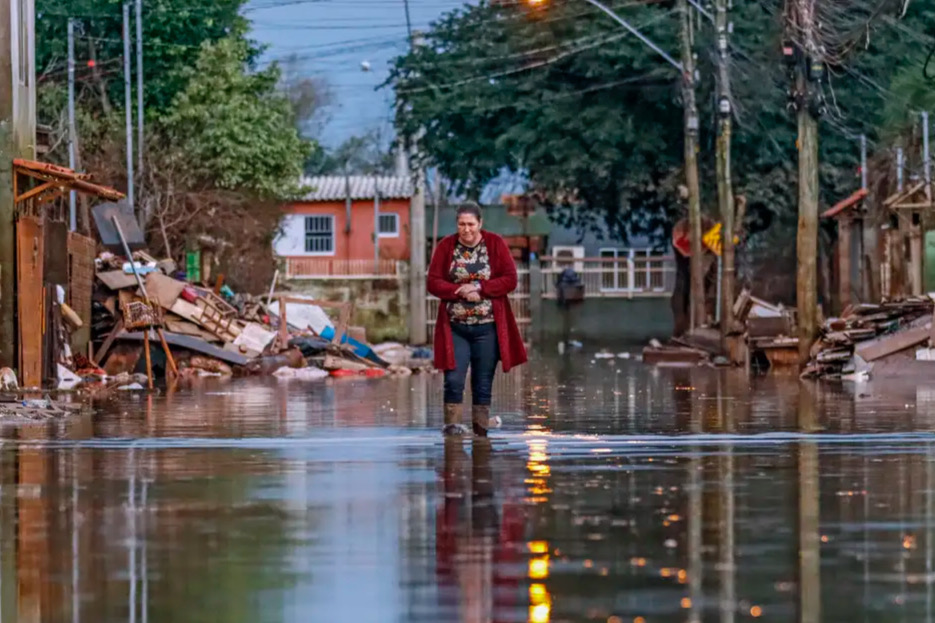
[
  {"x": 472, "y": 272},
  {"x": 475, "y": 548}
]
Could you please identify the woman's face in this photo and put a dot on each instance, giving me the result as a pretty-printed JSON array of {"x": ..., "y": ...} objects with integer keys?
[{"x": 469, "y": 229}]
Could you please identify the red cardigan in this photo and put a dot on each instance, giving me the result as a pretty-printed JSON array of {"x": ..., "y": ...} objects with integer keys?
[{"x": 502, "y": 281}]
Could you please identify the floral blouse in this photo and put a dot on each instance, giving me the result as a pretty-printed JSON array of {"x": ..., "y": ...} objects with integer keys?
[{"x": 470, "y": 265}]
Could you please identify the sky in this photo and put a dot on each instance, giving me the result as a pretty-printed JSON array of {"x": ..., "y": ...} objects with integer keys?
[{"x": 332, "y": 38}]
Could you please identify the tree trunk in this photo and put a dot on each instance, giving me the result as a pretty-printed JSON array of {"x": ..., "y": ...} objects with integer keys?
[
  {"x": 697, "y": 307},
  {"x": 807, "y": 239},
  {"x": 725, "y": 191}
]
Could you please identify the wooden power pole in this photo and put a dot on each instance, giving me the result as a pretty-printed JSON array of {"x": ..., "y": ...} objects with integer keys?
[
  {"x": 725, "y": 190},
  {"x": 697, "y": 289},
  {"x": 808, "y": 70}
]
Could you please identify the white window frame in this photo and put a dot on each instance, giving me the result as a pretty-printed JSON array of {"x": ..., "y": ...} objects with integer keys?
[
  {"x": 618, "y": 255},
  {"x": 305, "y": 233},
  {"x": 395, "y": 232}
]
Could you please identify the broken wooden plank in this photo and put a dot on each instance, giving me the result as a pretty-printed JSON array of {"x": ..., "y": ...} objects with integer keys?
[
  {"x": 884, "y": 346},
  {"x": 108, "y": 341},
  {"x": 117, "y": 279},
  {"x": 673, "y": 356},
  {"x": 829, "y": 356},
  {"x": 767, "y": 326},
  {"x": 184, "y": 327},
  {"x": 165, "y": 290}
]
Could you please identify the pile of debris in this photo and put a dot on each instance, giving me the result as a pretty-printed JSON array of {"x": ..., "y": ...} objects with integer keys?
[
  {"x": 149, "y": 318},
  {"x": 761, "y": 328},
  {"x": 215, "y": 332},
  {"x": 851, "y": 345},
  {"x": 701, "y": 346}
]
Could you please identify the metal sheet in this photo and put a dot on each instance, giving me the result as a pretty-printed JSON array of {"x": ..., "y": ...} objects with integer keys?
[
  {"x": 194, "y": 344},
  {"x": 30, "y": 298},
  {"x": 103, "y": 215}
]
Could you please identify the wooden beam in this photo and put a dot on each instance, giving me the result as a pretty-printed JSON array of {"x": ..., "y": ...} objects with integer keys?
[
  {"x": 898, "y": 197},
  {"x": 109, "y": 341},
  {"x": 913, "y": 206},
  {"x": 38, "y": 190}
]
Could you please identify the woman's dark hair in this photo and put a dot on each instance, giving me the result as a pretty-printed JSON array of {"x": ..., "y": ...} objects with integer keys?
[{"x": 472, "y": 208}]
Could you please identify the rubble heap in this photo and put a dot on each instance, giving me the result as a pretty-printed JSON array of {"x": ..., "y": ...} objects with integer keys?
[
  {"x": 199, "y": 331},
  {"x": 866, "y": 333}
]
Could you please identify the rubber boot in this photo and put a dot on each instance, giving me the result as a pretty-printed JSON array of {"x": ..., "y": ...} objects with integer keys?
[
  {"x": 454, "y": 413},
  {"x": 481, "y": 421}
]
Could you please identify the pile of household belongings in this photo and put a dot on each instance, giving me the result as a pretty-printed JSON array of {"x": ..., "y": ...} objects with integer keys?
[
  {"x": 215, "y": 332},
  {"x": 866, "y": 336},
  {"x": 762, "y": 326}
]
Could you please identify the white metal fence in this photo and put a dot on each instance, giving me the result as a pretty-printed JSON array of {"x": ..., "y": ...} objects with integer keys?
[
  {"x": 329, "y": 268},
  {"x": 628, "y": 277}
]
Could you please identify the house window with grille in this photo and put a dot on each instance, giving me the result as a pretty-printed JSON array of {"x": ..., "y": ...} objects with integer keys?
[
  {"x": 389, "y": 225},
  {"x": 319, "y": 235}
]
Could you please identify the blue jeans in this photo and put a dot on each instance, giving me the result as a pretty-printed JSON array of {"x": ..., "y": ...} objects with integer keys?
[{"x": 476, "y": 346}]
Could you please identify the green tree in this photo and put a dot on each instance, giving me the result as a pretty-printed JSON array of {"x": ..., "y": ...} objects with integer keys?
[
  {"x": 223, "y": 143},
  {"x": 593, "y": 116},
  {"x": 233, "y": 127},
  {"x": 173, "y": 31}
]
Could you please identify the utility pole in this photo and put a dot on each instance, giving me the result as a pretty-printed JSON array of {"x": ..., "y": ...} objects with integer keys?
[
  {"x": 900, "y": 168},
  {"x": 408, "y": 22},
  {"x": 915, "y": 241},
  {"x": 127, "y": 104},
  {"x": 17, "y": 140},
  {"x": 725, "y": 189},
  {"x": 808, "y": 70},
  {"x": 863, "y": 161},
  {"x": 376, "y": 225},
  {"x": 418, "y": 331},
  {"x": 139, "y": 87},
  {"x": 697, "y": 296},
  {"x": 72, "y": 198}
]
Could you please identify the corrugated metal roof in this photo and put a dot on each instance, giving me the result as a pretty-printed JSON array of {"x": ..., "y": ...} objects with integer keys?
[{"x": 334, "y": 187}]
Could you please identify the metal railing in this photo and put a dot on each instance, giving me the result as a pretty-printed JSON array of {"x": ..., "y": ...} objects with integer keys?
[
  {"x": 328, "y": 268},
  {"x": 519, "y": 301},
  {"x": 629, "y": 277}
]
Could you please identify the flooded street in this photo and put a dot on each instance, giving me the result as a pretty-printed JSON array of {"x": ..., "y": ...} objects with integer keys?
[{"x": 615, "y": 492}]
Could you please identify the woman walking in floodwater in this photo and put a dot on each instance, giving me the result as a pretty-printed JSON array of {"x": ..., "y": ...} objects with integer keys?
[{"x": 472, "y": 272}]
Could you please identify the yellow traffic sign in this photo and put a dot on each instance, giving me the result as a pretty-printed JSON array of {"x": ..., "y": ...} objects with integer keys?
[{"x": 712, "y": 239}]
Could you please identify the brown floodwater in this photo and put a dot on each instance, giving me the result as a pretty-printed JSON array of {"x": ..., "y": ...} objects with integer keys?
[{"x": 615, "y": 492}]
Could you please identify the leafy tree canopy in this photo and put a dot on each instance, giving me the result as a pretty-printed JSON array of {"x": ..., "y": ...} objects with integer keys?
[{"x": 593, "y": 116}]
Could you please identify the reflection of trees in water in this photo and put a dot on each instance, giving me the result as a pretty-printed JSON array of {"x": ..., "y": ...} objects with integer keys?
[{"x": 214, "y": 550}]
